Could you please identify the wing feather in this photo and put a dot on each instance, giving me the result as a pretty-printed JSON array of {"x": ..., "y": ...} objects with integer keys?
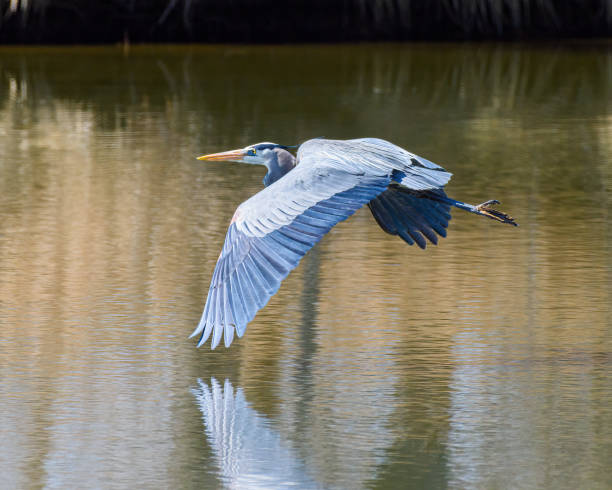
[
  {"x": 217, "y": 330},
  {"x": 228, "y": 334},
  {"x": 256, "y": 259},
  {"x": 373, "y": 155},
  {"x": 412, "y": 215},
  {"x": 236, "y": 304}
]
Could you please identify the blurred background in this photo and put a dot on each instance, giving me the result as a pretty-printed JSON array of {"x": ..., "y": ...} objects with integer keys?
[
  {"x": 483, "y": 362},
  {"x": 265, "y": 21}
]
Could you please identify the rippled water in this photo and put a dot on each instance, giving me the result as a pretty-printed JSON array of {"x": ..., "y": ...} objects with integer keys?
[{"x": 482, "y": 363}]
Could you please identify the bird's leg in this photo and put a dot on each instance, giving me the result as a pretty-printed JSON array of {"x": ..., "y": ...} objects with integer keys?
[{"x": 483, "y": 209}]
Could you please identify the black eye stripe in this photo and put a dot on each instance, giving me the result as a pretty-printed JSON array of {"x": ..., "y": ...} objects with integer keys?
[{"x": 266, "y": 146}]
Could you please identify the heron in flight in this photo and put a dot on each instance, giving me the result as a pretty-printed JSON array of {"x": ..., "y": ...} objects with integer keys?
[{"x": 303, "y": 198}]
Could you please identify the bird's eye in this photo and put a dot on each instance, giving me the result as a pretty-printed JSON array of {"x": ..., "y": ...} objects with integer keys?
[{"x": 252, "y": 152}]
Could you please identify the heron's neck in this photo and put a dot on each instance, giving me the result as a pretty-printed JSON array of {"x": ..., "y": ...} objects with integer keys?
[{"x": 281, "y": 164}]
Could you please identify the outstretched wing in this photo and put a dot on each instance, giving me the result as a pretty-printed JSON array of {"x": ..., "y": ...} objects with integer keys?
[
  {"x": 413, "y": 215},
  {"x": 269, "y": 235},
  {"x": 373, "y": 155}
]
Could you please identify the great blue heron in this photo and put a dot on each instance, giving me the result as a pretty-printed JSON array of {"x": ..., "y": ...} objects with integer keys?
[{"x": 303, "y": 199}]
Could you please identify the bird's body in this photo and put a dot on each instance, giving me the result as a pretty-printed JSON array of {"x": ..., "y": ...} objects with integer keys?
[{"x": 303, "y": 199}]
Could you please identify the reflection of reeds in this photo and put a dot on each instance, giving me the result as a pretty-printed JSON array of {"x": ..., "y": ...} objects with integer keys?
[{"x": 269, "y": 21}]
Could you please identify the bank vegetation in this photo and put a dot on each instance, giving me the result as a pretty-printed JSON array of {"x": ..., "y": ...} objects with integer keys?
[{"x": 265, "y": 21}]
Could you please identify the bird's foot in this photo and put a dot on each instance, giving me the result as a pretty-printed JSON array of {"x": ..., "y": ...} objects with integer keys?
[
  {"x": 485, "y": 204},
  {"x": 486, "y": 210}
]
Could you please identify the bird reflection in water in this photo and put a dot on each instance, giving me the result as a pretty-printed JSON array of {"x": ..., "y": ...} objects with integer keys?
[{"x": 249, "y": 452}]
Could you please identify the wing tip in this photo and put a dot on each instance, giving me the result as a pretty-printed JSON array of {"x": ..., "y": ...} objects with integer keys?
[
  {"x": 203, "y": 338},
  {"x": 198, "y": 329},
  {"x": 226, "y": 332}
]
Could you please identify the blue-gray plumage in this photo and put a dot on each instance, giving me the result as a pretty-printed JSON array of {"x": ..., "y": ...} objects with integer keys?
[{"x": 303, "y": 199}]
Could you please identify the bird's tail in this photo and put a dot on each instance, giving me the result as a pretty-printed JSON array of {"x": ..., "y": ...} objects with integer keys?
[{"x": 484, "y": 209}]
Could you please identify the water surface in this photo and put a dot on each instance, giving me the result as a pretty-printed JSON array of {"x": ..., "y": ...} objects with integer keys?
[{"x": 481, "y": 363}]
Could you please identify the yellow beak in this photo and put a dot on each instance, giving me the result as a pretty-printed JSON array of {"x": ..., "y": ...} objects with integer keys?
[{"x": 226, "y": 155}]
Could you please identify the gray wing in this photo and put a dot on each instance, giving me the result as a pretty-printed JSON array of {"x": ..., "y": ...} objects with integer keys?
[
  {"x": 372, "y": 155},
  {"x": 411, "y": 207},
  {"x": 268, "y": 236},
  {"x": 415, "y": 216}
]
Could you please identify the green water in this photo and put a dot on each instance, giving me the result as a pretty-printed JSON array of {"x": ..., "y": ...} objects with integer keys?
[{"x": 481, "y": 363}]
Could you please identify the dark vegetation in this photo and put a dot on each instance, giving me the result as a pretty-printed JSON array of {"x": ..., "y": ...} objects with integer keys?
[{"x": 264, "y": 21}]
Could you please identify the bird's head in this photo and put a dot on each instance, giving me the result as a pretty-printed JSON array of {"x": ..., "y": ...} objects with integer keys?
[{"x": 258, "y": 154}]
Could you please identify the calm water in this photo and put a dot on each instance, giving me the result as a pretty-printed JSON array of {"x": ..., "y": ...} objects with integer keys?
[{"x": 485, "y": 362}]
